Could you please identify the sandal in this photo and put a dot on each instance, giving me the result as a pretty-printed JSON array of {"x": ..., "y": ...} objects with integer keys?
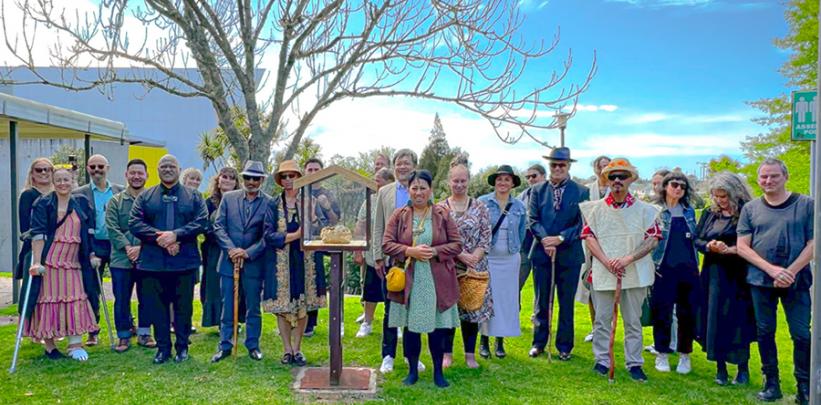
[
  {"x": 78, "y": 353},
  {"x": 123, "y": 345},
  {"x": 299, "y": 359},
  {"x": 287, "y": 358},
  {"x": 54, "y": 354},
  {"x": 146, "y": 341}
]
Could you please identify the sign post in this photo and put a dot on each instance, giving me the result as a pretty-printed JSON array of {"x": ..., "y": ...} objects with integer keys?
[{"x": 815, "y": 187}]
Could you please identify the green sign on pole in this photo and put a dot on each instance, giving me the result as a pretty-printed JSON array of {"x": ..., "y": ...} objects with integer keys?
[{"x": 804, "y": 111}]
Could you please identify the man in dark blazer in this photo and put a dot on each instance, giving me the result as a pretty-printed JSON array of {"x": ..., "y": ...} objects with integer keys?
[
  {"x": 555, "y": 221},
  {"x": 167, "y": 219},
  {"x": 98, "y": 192},
  {"x": 239, "y": 232}
]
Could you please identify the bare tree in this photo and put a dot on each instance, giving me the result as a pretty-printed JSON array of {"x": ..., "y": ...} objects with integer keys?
[{"x": 465, "y": 52}]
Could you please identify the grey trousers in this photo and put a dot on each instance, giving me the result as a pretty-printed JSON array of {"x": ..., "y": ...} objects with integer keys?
[{"x": 630, "y": 309}]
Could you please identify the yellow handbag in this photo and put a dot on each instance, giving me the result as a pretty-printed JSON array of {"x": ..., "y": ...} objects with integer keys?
[{"x": 395, "y": 278}]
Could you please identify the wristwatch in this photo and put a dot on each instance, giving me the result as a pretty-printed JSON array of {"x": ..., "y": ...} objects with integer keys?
[{"x": 561, "y": 238}]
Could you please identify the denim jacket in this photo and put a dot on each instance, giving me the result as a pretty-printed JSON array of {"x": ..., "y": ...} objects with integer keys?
[
  {"x": 516, "y": 219},
  {"x": 666, "y": 219}
]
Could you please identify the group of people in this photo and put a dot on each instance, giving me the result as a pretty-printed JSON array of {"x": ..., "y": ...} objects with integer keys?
[{"x": 465, "y": 260}]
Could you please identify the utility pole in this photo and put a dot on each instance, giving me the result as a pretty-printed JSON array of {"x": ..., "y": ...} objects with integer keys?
[
  {"x": 815, "y": 365},
  {"x": 561, "y": 122}
]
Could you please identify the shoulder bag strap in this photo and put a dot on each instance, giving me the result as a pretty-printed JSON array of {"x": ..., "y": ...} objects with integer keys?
[{"x": 501, "y": 218}]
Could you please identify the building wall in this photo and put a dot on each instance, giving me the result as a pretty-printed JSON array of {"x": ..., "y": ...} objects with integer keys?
[
  {"x": 151, "y": 155},
  {"x": 28, "y": 150}
]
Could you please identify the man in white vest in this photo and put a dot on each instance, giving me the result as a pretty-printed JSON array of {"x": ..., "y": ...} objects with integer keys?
[{"x": 620, "y": 232}]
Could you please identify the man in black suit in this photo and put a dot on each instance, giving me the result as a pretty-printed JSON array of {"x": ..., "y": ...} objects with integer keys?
[{"x": 555, "y": 221}]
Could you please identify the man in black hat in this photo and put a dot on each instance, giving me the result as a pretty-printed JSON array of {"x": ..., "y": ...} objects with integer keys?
[
  {"x": 239, "y": 233},
  {"x": 555, "y": 221}
]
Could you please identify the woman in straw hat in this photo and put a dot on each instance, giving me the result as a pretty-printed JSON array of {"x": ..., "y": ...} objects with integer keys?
[{"x": 300, "y": 285}]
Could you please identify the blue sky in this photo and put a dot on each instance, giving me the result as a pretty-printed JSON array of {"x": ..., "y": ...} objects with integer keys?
[{"x": 673, "y": 78}]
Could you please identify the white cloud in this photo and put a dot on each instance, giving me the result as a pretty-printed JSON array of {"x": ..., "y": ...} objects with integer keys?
[
  {"x": 596, "y": 108},
  {"x": 685, "y": 119},
  {"x": 659, "y": 145}
]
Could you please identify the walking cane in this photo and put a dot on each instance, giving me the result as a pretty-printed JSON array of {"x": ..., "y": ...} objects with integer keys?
[
  {"x": 19, "y": 339},
  {"x": 617, "y": 296},
  {"x": 550, "y": 305},
  {"x": 105, "y": 307},
  {"x": 237, "y": 268}
]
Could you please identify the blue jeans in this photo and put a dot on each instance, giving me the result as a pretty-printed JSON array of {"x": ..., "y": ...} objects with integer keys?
[
  {"x": 797, "y": 309},
  {"x": 123, "y": 282},
  {"x": 252, "y": 287}
]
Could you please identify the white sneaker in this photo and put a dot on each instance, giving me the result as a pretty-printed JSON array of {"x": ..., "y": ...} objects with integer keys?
[
  {"x": 399, "y": 333},
  {"x": 387, "y": 365},
  {"x": 588, "y": 338},
  {"x": 341, "y": 332},
  {"x": 419, "y": 365},
  {"x": 663, "y": 363},
  {"x": 364, "y": 330},
  {"x": 361, "y": 318},
  {"x": 651, "y": 349},
  {"x": 684, "y": 366}
]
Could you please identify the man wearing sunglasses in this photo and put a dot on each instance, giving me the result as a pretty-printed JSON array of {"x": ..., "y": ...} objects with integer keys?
[
  {"x": 98, "y": 191},
  {"x": 238, "y": 229},
  {"x": 620, "y": 232},
  {"x": 535, "y": 176},
  {"x": 555, "y": 222}
]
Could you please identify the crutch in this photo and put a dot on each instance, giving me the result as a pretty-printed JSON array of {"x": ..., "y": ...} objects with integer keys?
[
  {"x": 617, "y": 297},
  {"x": 237, "y": 268},
  {"x": 19, "y": 339},
  {"x": 550, "y": 305},
  {"x": 105, "y": 306}
]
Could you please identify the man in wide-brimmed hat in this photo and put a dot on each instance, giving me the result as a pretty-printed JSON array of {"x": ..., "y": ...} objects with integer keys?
[
  {"x": 620, "y": 231},
  {"x": 239, "y": 229},
  {"x": 555, "y": 222}
]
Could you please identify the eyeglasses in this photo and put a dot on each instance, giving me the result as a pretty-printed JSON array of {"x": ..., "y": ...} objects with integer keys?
[
  {"x": 228, "y": 177},
  {"x": 42, "y": 170},
  {"x": 618, "y": 176},
  {"x": 531, "y": 176},
  {"x": 289, "y": 176},
  {"x": 96, "y": 167},
  {"x": 558, "y": 165},
  {"x": 678, "y": 184},
  {"x": 251, "y": 178}
]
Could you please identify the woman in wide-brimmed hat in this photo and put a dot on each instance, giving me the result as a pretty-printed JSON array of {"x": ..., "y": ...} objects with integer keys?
[
  {"x": 508, "y": 217},
  {"x": 300, "y": 285}
]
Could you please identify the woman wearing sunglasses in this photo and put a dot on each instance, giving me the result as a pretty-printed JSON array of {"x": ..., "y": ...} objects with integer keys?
[
  {"x": 677, "y": 270},
  {"x": 38, "y": 182}
]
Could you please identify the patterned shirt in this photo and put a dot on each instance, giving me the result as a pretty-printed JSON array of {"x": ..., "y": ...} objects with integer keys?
[
  {"x": 652, "y": 232},
  {"x": 558, "y": 192}
]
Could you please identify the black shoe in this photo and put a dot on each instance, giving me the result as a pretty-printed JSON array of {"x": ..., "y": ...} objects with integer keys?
[
  {"x": 535, "y": 352},
  {"x": 601, "y": 369},
  {"x": 287, "y": 358},
  {"x": 802, "y": 393},
  {"x": 771, "y": 391},
  {"x": 299, "y": 359},
  {"x": 181, "y": 356},
  {"x": 54, "y": 354},
  {"x": 500, "y": 348},
  {"x": 742, "y": 378},
  {"x": 161, "y": 357},
  {"x": 637, "y": 374},
  {"x": 722, "y": 377},
  {"x": 484, "y": 347},
  {"x": 564, "y": 356},
  {"x": 222, "y": 354},
  {"x": 255, "y": 354}
]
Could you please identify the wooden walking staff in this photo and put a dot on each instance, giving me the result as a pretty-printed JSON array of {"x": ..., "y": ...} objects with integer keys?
[
  {"x": 617, "y": 296},
  {"x": 238, "y": 262}
]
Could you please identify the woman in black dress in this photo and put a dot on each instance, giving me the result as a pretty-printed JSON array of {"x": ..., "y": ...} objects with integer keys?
[
  {"x": 727, "y": 321},
  {"x": 38, "y": 182},
  {"x": 226, "y": 181}
]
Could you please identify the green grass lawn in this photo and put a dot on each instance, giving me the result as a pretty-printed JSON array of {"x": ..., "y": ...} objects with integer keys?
[{"x": 114, "y": 378}]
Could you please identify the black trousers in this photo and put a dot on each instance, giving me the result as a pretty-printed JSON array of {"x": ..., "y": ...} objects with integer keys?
[
  {"x": 797, "y": 307},
  {"x": 160, "y": 290},
  {"x": 675, "y": 286},
  {"x": 470, "y": 331},
  {"x": 102, "y": 249},
  {"x": 567, "y": 280},
  {"x": 389, "y": 335}
]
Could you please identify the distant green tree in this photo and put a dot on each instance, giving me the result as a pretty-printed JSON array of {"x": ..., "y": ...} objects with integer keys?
[
  {"x": 800, "y": 71},
  {"x": 723, "y": 163}
]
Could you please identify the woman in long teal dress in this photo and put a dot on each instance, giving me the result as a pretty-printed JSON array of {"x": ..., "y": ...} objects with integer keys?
[{"x": 428, "y": 237}]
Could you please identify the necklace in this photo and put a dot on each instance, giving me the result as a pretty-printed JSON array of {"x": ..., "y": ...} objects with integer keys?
[{"x": 456, "y": 207}]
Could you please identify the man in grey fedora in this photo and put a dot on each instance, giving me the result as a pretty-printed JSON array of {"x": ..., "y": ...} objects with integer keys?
[
  {"x": 555, "y": 221},
  {"x": 239, "y": 232}
]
